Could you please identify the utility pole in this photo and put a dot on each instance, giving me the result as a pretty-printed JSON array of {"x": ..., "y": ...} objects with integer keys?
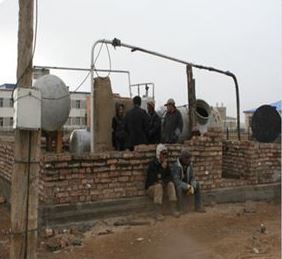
[
  {"x": 191, "y": 100},
  {"x": 25, "y": 176}
]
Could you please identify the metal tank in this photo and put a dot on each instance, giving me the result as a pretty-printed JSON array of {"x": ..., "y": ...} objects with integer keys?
[
  {"x": 55, "y": 106},
  {"x": 80, "y": 141}
]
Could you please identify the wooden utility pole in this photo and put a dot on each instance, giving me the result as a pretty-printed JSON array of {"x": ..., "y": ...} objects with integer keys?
[
  {"x": 25, "y": 176},
  {"x": 191, "y": 100}
]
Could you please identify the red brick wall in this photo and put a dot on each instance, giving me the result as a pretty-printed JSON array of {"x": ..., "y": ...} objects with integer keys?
[{"x": 256, "y": 162}]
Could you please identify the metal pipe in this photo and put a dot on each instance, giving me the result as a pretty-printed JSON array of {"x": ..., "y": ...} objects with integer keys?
[{"x": 117, "y": 43}]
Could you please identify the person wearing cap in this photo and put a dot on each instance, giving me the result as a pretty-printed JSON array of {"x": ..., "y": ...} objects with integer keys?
[
  {"x": 136, "y": 125},
  {"x": 154, "y": 132},
  {"x": 173, "y": 123},
  {"x": 185, "y": 182},
  {"x": 159, "y": 182}
]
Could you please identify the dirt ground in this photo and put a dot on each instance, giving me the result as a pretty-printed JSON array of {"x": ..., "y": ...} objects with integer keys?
[{"x": 225, "y": 231}]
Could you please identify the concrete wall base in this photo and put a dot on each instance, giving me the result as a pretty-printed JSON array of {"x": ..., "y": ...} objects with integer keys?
[{"x": 51, "y": 215}]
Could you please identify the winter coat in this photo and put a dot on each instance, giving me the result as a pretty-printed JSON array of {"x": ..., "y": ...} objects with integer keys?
[
  {"x": 155, "y": 174},
  {"x": 181, "y": 178},
  {"x": 172, "y": 127},
  {"x": 119, "y": 134},
  {"x": 154, "y": 133},
  {"x": 136, "y": 127}
]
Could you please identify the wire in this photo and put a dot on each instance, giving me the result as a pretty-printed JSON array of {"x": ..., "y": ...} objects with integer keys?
[
  {"x": 33, "y": 50},
  {"x": 109, "y": 57},
  {"x": 82, "y": 82}
]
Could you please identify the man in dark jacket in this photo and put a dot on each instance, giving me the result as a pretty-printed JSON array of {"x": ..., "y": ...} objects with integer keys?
[
  {"x": 136, "y": 125},
  {"x": 159, "y": 182},
  {"x": 154, "y": 133},
  {"x": 173, "y": 123},
  {"x": 118, "y": 133},
  {"x": 185, "y": 183}
]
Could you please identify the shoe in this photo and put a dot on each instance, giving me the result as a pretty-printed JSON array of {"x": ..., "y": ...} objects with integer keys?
[
  {"x": 173, "y": 210},
  {"x": 158, "y": 213},
  {"x": 200, "y": 210}
]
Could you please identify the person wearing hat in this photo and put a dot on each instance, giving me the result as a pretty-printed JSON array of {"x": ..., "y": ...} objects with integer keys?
[
  {"x": 159, "y": 182},
  {"x": 154, "y": 132},
  {"x": 136, "y": 125},
  {"x": 173, "y": 123},
  {"x": 185, "y": 182}
]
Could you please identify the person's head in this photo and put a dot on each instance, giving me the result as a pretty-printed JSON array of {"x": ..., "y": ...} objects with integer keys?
[
  {"x": 161, "y": 152},
  {"x": 151, "y": 106},
  {"x": 137, "y": 100},
  {"x": 120, "y": 109},
  {"x": 185, "y": 157},
  {"x": 170, "y": 105}
]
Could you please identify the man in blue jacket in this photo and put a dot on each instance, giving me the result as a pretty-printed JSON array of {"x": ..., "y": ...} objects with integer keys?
[{"x": 185, "y": 183}]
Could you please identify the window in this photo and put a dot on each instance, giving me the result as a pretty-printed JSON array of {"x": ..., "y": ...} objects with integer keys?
[
  {"x": 1, "y": 121},
  {"x": 11, "y": 121},
  {"x": 1, "y": 102},
  {"x": 77, "y": 104},
  {"x": 76, "y": 121}
]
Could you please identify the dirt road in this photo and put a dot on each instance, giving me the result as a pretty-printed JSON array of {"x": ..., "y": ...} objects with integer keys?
[{"x": 225, "y": 231}]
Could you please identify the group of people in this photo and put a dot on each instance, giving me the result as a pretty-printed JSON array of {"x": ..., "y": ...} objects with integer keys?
[
  {"x": 138, "y": 126},
  {"x": 176, "y": 182}
]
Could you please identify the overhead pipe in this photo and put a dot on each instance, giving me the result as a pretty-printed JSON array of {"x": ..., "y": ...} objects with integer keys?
[{"x": 117, "y": 43}]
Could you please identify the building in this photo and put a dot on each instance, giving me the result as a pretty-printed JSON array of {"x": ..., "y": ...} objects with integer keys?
[
  {"x": 77, "y": 118},
  {"x": 6, "y": 107},
  {"x": 249, "y": 113}
]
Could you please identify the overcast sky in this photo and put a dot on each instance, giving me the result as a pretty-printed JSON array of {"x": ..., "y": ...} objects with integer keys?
[{"x": 242, "y": 36}]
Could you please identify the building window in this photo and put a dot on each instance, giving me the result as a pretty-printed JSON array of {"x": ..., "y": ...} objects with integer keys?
[
  {"x": 77, "y": 104},
  {"x": 1, "y": 102},
  {"x": 11, "y": 121},
  {"x": 1, "y": 121},
  {"x": 76, "y": 121}
]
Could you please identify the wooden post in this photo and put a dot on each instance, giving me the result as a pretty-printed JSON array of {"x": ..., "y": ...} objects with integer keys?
[
  {"x": 191, "y": 100},
  {"x": 25, "y": 176}
]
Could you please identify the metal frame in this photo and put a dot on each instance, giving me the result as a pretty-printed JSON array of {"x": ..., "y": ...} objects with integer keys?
[
  {"x": 138, "y": 88},
  {"x": 117, "y": 43}
]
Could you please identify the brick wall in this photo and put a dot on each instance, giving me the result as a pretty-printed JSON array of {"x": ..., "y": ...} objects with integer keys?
[
  {"x": 6, "y": 160},
  {"x": 111, "y": 175},
  {"x": 255, "y": 162},
  {"x": 66, "y": 178}
]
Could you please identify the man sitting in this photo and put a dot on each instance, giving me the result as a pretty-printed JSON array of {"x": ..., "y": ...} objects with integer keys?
[
  {"x": 185, "y": 183},
  {"x": 159, "y": 182}
]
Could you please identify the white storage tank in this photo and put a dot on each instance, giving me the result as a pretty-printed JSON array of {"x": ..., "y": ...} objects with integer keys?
[{"x": 55, "y": 107}]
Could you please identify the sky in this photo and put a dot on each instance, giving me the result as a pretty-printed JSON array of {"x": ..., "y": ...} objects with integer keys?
[{"x": 241, "y": 36}]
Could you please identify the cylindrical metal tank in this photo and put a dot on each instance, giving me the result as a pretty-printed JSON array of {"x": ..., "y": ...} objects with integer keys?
[
  {"x": 80, "y": 141},
  {"x": 55, "y": 107}
]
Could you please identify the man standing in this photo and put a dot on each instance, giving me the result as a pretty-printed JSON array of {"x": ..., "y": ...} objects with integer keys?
[
  {"x": 136, "y": 125},
  {"x": 159, "y": 182},
  {"x": 118, "y": 133},
  {"x": 173, "y": 123},
  {"x": 185, "y": 183},
  {"x": 154, "y": 133}
]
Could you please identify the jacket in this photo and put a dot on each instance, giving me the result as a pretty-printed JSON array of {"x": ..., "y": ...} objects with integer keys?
[
  {"x": 172, "y": 127},
  {"x": 154, "y": 132},
  {"x": 136, "y": 126},
  {"x": 181, "y": 178},
  {"x": 155, "y": 173}
]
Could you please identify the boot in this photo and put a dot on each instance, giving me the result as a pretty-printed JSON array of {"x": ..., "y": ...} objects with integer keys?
[
  {"x": 158, "y": 212},
  {"x": 173, "y": 209}
]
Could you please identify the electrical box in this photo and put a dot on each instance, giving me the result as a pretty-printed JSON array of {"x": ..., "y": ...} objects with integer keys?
[{"x": 27, "y": 108}]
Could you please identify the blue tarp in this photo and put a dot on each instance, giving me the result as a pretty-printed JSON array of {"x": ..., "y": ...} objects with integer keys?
[{"x": 277, "y": 106}]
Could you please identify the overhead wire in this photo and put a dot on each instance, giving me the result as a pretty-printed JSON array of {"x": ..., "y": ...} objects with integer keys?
[{"x": 110, "y": 66}]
